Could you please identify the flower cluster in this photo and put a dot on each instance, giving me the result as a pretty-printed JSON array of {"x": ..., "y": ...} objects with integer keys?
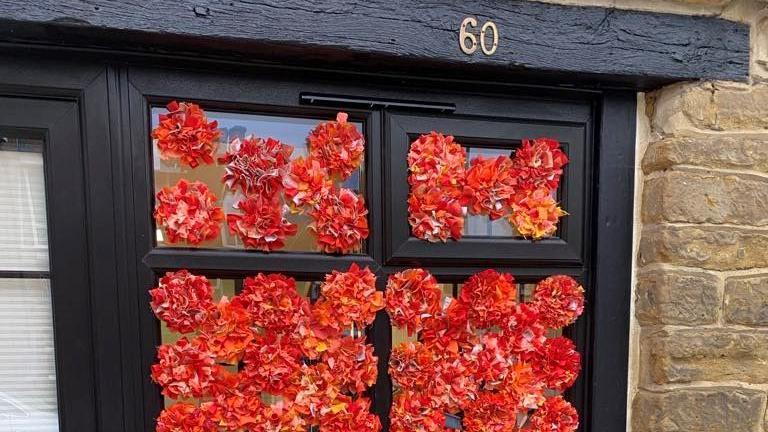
[
  {"x": 184, "y": 133},
  {"x": 262, "y": 171},
  {"x": 188, "y": 212},
  {"x": 518, "y": 188},
  {"x": 436, "y": 176},
  {"x": 483, "y": 356},
  {"x": 300, "y": 353}
]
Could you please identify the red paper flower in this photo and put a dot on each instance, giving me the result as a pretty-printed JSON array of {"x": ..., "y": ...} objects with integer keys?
[
  {"x": 437, "y": 161},
  {"x": 411, "y": 366},
  {"x": 349, "y": 298},
  {"x": 524, "y": 332},
  {"x": 522, "y": 388},
  {"x": 412, "y": 295},
  {"x": 184, "y": 133},
  {"x": 306, "y": 182},
  {"x": 340, "y": 222},
  {"x": 353, "y": 363},
  {"x": 433, "y": 216},
  {"x": 491, "y": 412},
  {"x": 337, "y": 145},
  {"x": 488, "y": 298},
  {"x": 540, "y": 163},
  {"x": 442, "y": 335},
  {"x": 490, "y": 185},
  {"x": 273, "y": 302},
  {"x": 559, "y": 299},
  {"x": 182, "y": 300},
  {"x": 536, "y": 215},
  {"x": 280, "y": 418},
  {"x": 256, "y": 166},
  {"x": 354, "y": 416},
  {"x": 558, "y": 363},
  {"x": 188, "y": 212},
  {"x": 413, "y": 412},
  {"x": 182, "y": 417},
  {"x": 185, "y": 369},
  {"x": 556, "y": 415},
  {"x": 272, "y": 365},
  {"x": 262, "y": 224},
  {"x": 493, "y": 361},
  {"x": 235, "y": 412},
  {"x": 228, "y": 332}
]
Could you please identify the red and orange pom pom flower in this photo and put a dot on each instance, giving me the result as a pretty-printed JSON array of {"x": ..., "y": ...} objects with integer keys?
[
  {"x": 184, "y": 133},
  {"x": 337, "y": 145},
  {"x": 256, "y": 166},
  {"x": 536, "y": 215},
  {"x": 350, "y": 298},
  {"x": 539, "y": 163},
  {"x": 340, "y": 222},
  {"x": 182, "y": 417},
  {"x": 188, "y": 212},
  {"x": 185, "y": 369},
  {"x": 559, "y": 299},
  {"x": 182, "y": 300},
  {"x": 262, "y": 224},
  {"x": 556, "y": 415},
  {"x": 306, "y": 182},
  {"x": 435, "y": 217},
  {"x": 411, "y": 296},
  {"x": 487, "y": 296},
  {"x": 273, "y": 302},
  {"x": 490, "y": 185}
]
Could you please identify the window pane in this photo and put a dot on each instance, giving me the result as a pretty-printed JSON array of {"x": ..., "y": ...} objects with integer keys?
[
  {"x": 290, "y": 130},
  {"x": 28, "y": 399}
]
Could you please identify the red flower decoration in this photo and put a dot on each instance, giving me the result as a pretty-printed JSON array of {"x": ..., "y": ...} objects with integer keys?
[
  {"x": 491, "y": 412},
  {"x": 556, "y": 415},
  {"x": 559, "y": 299},
  {"x": 273, "y": 302},
  {"x": 349, "y": 298},
  {"x": 490, "y": 185},
  {"x": 340, "y": 222},
  {"x": 182, "y": 417},
  {"x": 185, "y": 369},
  {"x": 234, "y": 412},
  {"x": 256, "y": 166},
  {"x": 540, "y": 163},
  {"x": 228, "y": 332},
  {"x": 411, "y": 366},
  {"x": 413, "y": 412},
  {"x": 523, "y": 389},
  {"x": 184, "y": 133},
  {"x": 524, "y": 332},
  {"x": 536, "y": 215},
  {"x": 182, "y": 300},
  {"x": 306, "y": 182},
  {"x": 558, "y": 363},
  {"x": 434, "y": 216},
  {"x": 436, "y": 160},
  {"x": 337, "y": 145},
  {"x": 354, "y": 416},
  {"x": 262, "y": 224},
  {"x": 488, "y": 297},
  {"x": 188, "y": 212},
  {"x": 272, "y": 365},
  {"x": 412, "y": 295}
]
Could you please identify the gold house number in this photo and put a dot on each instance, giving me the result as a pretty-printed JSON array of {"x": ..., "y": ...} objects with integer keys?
[{"x": 468, "y": 40}]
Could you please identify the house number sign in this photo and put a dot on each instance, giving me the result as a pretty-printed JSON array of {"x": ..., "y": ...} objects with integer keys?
[{"x": 469, "y": 38}]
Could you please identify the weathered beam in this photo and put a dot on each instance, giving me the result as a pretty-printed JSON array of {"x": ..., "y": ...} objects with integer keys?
[{"x": 555, "y": 40}]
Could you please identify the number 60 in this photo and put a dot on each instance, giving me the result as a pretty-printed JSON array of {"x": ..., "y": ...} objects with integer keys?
[{"x": 468, "y": 40}]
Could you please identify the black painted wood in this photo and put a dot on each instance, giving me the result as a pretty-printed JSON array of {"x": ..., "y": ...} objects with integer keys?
[{"x": 572, "y": 43}]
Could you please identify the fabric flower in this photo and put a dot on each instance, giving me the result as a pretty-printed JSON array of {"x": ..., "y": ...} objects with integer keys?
[
  {"x": 337, "y": 145},
  {"x": 437, "y": 161},
  {"x": 306, "y": 182},
  {"x": 256, "y": 166},
  {"x": 558, "y": 363},
  {"x": 536, "y": 215},
  {"x": 183, "y": 417},
  {"x": 559, "y": 299},
  {"x": 556, "y": 415},
  {"x": 524, "y": 332},
  {"x": 353, "y": 363},
  {"x": 492, "y": 360},
  {"x": 413, "y": 412},
  {"x": 354, "y": 416},
  {"x": 273, "y": 302},
  {"x": 280, "y": 418},
  {"x": 272, "y": 365},
  {"x": 262, "y": 224},
  {"x": 349, "y": 298},
  {"x": 412, "y": 295},
  {"x": 540, "y": 163},
  {"x": 188, "y": 212},
  {"x": 490, "y": 185},
  {"x": 489, "y": 296},
  {"x": 523, "y": 388},
  {"x": 235, "y": 412},
  {"x": 228, "y": 332},
  {"x": 185, "y": 369},
  {"x": 434, "y": 217},
  {"x": 340, "y": 222},
  {"x": 182, "y": 300},
  {"x": 491, "y": 412},
  {"x": 443, "y": 336},
  {"x": 411, "y": 366},
  {"x": 184, "y": 133}
]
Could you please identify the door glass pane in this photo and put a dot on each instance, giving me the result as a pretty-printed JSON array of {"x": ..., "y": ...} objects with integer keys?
[
  {"x": 289, "y": 130},
  {"x": 27, "y": 361}
]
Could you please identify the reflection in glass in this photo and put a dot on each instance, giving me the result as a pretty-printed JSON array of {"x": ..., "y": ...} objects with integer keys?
[{"x": 289, "y": 130}]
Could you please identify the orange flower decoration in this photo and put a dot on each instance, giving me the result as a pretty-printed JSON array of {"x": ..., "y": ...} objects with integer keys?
[
  {"x": 559, "y": 299},
  {"x": 540, "y": 163},
  {"x": 262, "y": 224},
  {"x": 490, "y": 185},
  {"x": 306, "y": 182},
  {"x": 234, "y": 412},
  {"x": 536, "y": 215},
  {"x": 337, "y": 145},
  {"x": 489, "y": 297},
  {"x": 256, "y": 166},
  {"x": 437, "y": 161},
  {"x": 354, "y": 416},
  {"x": 273, "y": 302},
  {"x": 491, "y": 412},
  {"x": 184, "y": 133},
  {"x": 272, "y": 365},
  {"x": 556, "y": 415},
  {"x": 188, "y": 212},
  {"x": 413, "y": 411},
  {"x": 228, "y": 332},
  {"x": 435, "y": 217},
  {"x": 412, "y": 295},
  {"x": 182, "y": 300},
  {"x": 558, "y": 363},
  {"x": 184, "y": 417},
  {"x": 340, "y": 222},
  {"x": 185, "y": 370},
  {"x": 349, "y": 298}
]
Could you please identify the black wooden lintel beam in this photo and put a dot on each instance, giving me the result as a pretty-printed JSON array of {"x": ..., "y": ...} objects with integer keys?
[{"x": 535, "y": 39}]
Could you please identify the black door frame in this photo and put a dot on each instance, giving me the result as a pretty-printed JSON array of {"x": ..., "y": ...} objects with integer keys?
[{"x": 118, "y": 271}]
